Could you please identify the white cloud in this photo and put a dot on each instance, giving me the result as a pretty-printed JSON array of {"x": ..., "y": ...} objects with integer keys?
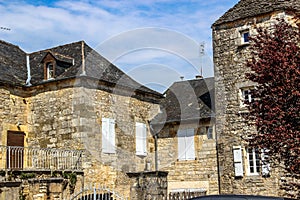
[{"x": 36, "y": 27}]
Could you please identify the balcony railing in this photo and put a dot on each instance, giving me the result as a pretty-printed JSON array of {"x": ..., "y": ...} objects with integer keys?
[{"x": 27, "y": 158}]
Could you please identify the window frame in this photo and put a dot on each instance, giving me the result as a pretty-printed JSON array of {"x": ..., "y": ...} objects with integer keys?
[
  {"x": 245, "y": 40},
  {"x": 256, "y": 160},
  {"x": 48, "y": 64},
  {"x": 243, "y": 96}
]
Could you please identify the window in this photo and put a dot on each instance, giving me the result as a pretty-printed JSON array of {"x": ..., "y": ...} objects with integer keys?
[
  {"x": 186, "y": 147},
  {"x": 246, "y": 96},
  {"x": 245, "y": 37},
  {"x": 49, "y": 71},
  {"x": 209, "y": 132},
  {"x": 108, "y": 135},
  {"x": 254, "y": 157},
  {"x": 141, "y": 139}
]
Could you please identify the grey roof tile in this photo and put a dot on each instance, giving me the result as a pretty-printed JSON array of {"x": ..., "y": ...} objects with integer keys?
[
  {"x": 250, "y": 8},
  {"x": 187, "y": 100},
  {"x": 12, "y": 64},
  {"x": 13, "y": 67}
]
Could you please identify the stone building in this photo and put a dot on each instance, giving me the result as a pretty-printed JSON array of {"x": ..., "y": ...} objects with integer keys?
[
  {"x": 241, "y": 169},
  {"x": 70, "y": 118},
  {"x": 186, "y": 143}
]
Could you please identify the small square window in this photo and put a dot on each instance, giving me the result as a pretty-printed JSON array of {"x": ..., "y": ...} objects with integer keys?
[
  {"x": 209, "y": 132},
  {"x": 246, "y": 37},
  {"x": 245, "y": 96}
]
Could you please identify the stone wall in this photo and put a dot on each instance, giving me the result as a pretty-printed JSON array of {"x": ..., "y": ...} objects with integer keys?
[
  {"x": 57, "y": 115},
  {"x": 149, "y": 185},
  {"x": 230, "y": 56},
  {"x": 200, "y": 173}
]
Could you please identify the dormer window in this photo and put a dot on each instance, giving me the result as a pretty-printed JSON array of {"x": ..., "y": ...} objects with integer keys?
[
  {"x": 55, "y": 65},
  {"x": 49, "y": 71}
]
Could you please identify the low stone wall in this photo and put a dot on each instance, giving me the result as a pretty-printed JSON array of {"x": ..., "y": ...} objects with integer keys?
[{"x": 149, "y": 185}]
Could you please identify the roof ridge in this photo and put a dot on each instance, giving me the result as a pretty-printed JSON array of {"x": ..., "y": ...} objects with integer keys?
[
  {"x": 250, "y": 8},
  {"x": 51, "y": 48},
  {"x": 10, "y": 44}
]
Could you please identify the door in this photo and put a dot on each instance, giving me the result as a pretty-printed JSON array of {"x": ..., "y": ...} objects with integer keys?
[{"x": 15, "y": 149}]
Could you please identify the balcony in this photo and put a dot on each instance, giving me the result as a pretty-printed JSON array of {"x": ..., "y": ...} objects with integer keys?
[{"x": 32, "y": 159}]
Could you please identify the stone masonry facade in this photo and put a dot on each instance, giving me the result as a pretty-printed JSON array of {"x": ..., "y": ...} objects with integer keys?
[
  {"x": 70, "y": 118},
  {"x": 230, "y": 56},
  {"x": 200, "y": 173}
]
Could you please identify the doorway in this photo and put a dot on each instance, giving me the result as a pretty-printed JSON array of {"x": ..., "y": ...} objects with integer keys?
[{"x": 15, "y": 150}]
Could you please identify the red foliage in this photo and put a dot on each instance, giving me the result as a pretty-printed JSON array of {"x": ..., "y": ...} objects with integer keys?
[{"x": 275, "y": 65}]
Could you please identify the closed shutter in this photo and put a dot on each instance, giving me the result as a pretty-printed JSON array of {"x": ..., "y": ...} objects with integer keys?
[
  {"x": 181, "y": 144},
  {"x": 238, "y": 161},
  {"x": 190, "y": 146},
  {"x": 141, "y": 139},
  {"x": 108, "y": 135},
  {"x": 112, "y": 138},
  {"x": 186, "y": 145}
]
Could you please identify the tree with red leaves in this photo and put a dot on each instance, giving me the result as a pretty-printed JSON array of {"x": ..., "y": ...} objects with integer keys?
[{"x": 275, "y": 109}]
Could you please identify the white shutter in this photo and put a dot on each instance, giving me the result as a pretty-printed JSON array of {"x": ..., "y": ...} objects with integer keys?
[
  {"x": 141, "y": 139},
  {"x": 108, "y": 135},
  {"x": 105, "y": 133},
  {"x": 111, "y": 136},
  {"x": 190, "y": 145},
  {"x": 186, "y": 144},
  {"x": 144, "y": 139},
  {"x": 181, "y": 144},
  {"x": 265, "y": 167},
  {"x": 238, "y": 161}
]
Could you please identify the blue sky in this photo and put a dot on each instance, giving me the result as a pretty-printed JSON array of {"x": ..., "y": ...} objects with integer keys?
[{"x": 154, "y": 41}]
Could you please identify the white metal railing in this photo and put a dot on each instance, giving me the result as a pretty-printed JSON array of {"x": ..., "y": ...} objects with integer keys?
[{"x": 28, "y": 158}]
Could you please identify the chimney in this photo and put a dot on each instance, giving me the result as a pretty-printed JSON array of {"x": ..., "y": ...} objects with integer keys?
[{"x": 199, "y": 77}]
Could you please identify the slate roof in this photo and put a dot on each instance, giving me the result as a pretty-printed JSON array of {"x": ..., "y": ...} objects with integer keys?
[
  {"x": 250, "y": 8},
  {"x": 13, "y": 65},
  {"x": 187, "y": 100}
]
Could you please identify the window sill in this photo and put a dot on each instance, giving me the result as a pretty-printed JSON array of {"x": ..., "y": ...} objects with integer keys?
[
  {"x": 244, "y": 44},
  {"x": 187, "y": 161},
  {"x": 141, "y": 155}
]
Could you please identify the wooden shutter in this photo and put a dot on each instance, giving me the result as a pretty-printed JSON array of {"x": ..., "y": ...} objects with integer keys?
[
  {"x": 238, "y": 161},
  {"x": 186, "y": 144},
  {"x": 141, "y": 139},
  {"x": 108, "y": 135},
  {"x": 181, "y": 144},
  {"x": 15, "y": 151},
  {"x": 190, "y": 145},
  {"x": 111, "y": 136}
]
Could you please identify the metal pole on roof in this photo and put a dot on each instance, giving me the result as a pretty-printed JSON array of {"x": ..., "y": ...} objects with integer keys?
[{"x": 83, "y": 73}]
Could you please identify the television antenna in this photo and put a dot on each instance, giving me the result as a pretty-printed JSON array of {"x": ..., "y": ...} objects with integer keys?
[{"x": 201, "y": 53}]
